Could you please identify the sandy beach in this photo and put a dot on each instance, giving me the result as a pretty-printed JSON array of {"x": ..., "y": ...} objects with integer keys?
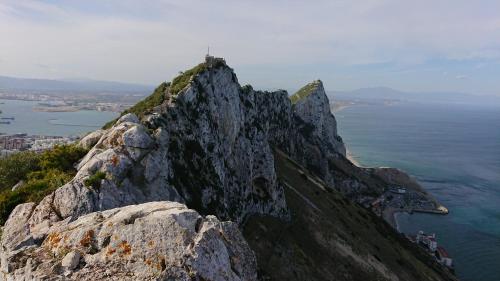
[
  {"x": 351, "y": 158},
  {"x": 389, "y": 216}
]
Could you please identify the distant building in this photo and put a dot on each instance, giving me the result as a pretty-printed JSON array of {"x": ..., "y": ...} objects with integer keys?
[
  {"x": 443, "y": 257},
  {"x": 43, "y": 144},
  {"x": 427, "y": 240},
  {"x": 398, "y": 190},
  {"x": 212, "y": 61},
  {"x": 13, "y": 142}
]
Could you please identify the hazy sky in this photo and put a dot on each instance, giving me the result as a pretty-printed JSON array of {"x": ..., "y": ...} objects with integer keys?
[{"x": 445, "y": 45}]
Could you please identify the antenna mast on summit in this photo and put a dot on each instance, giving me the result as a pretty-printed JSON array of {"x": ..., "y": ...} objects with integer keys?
[{"x": 208, "y": 51}]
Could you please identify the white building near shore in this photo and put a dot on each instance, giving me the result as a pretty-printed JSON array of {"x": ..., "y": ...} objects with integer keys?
[
  {"x": 428, "y": 240},
  {"x": 43, "y": 144}
]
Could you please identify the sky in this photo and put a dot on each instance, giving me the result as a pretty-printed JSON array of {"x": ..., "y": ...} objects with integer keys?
[{"x": 425, "y": 45}]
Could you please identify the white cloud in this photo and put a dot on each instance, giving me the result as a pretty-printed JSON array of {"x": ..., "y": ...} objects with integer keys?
[{"x": 131, "y": 42}]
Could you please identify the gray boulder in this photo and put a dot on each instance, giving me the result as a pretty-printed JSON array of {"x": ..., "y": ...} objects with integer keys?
[
  {"x": 91, "y": 139},
  {"x": 129, "y": 117},
  {"x": 151, "y": 241},
  {"x": 71, "y": 260}
]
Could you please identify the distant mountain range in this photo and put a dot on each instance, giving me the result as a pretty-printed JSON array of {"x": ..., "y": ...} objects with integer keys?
[
  {"x": 385, "y": 93},
  {"x": 70, "y": 85}
]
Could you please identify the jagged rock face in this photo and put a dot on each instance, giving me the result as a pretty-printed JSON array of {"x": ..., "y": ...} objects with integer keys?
[
  {"x": 152, "y": 241},
  {"x": 220, "y": 138},
  {"x": 91, "y": 139},
  {"x": 209, "y": 147},
  {"x": 316, "y": 142},
  {"x": 315, "y": 110}
]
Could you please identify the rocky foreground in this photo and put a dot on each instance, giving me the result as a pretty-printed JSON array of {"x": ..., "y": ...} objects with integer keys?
[
  {"x": 151, "y": 241},
  {"x": 213, "y": 159}
]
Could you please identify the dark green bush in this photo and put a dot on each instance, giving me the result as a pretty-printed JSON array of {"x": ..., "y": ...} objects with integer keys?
[
  {"x": 62, "y": 157},
  {"x": 95, "y": 179},
  {"x": 158, "y": 96},
  {"x": 15, "y": 167},
  {"x": 145, "y": 105},
  {"x": 181, "y": 81},
  {"x": 42, "y": 173}
]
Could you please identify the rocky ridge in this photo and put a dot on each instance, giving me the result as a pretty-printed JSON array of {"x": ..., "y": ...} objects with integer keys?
[
  {"x": 151, "y": 241},
  {"x": 210, "y": 146}
]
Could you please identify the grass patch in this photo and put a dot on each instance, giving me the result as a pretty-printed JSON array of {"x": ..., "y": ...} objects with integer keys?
[
  {"x": 95, "y": 180},
  {"x": 15, "y": 167},
  {"x": 42, "y": 173},
  {"x": 158, "y": 96},
  {"x": 145, "y": 105},
  {"x": 181, "y": 81},
  {"x": 304, "y": 92},
  {"x": 324, "y": 227}
]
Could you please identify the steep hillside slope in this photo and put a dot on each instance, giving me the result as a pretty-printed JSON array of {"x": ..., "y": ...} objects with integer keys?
[
  {"x": 208, "y": 143},
  {"x": 331, "y": 238}
]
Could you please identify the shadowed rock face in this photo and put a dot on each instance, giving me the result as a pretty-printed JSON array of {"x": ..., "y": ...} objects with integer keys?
[
  {"x": 314, "y": 109},
  {"x": 151, "y": 241},
  {"x": 208, "y": 147}
]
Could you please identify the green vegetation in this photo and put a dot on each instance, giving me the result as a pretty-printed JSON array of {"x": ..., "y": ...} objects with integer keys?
[
  {"x": 328, "y": 229},
  {"x": 94, "y": 180},
  {"x": 158, "y": 96},
  {"x": 304, "y": 92},
  {"x": 15, "y": 167},
  {"x": 145, "y": 105},
  {"x": 155, "y": 99},
  {"x": 41, "y": 174},
  {"x": 181, "y": 81}
]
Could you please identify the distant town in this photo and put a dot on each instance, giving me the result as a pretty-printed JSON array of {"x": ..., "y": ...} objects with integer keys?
[
  {"x": 18, "y": 142},
  {"x": 57, "y": 102},
  {"x": 53, "y": 101}
]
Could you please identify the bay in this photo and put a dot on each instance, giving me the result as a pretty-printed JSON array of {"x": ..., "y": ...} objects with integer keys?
[
  {"x": 454, "y": 152},
  {"x": 50, "y": 123}
]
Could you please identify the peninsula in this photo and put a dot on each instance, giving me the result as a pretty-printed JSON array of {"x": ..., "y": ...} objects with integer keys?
[{"x": 206, "y": 179}]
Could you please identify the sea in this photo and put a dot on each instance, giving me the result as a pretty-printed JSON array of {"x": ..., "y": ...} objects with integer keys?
[
  {"x": 49, "y": 123},
  {"x": 453, "y": 150}
]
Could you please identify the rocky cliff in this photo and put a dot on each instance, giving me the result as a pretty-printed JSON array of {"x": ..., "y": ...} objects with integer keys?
[
  {"x": 210, "y": 145},
  {"x": 151, "y": 241}
]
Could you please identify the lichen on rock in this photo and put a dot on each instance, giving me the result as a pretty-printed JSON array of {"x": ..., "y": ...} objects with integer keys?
[
  {"x": 206, "y": 143},
  {"x": 152, "y": 241}
]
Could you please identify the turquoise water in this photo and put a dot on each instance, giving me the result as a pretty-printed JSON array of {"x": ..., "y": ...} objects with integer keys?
[
  {"x": 50, "y": 123},
  {"x": 454, "y": 152}
]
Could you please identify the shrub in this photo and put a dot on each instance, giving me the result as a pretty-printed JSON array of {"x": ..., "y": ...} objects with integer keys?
[
  {"x": 145, "y": 105},
  {"x": 62, "y": 157},
  {"x": 181, "y": 81},
  {"x": 42, "y": 173},
  {"x": 95, "y": 179},
  {"x": 158, "y": 96},
  {"x": 304, "y": 92},
  {"x": 15, "y": 167}
]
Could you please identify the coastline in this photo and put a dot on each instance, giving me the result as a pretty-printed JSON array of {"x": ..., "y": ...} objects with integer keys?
[
  {"x": 335, "y": 108},
  {"x": 389, "y": 214},
  {"x": 351, "y": 158}
]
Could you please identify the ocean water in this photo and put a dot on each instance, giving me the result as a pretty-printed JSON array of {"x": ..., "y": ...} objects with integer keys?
[
  {"x": 50, "y": 123},
  {"x": 454, "y": 152}
]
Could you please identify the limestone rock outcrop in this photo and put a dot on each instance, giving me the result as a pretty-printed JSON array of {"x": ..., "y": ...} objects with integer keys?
[
  {"x": 315, "y": 110},
  {"x": 91, "y": 139},
  {"x": 151, "y": 241},
  {"x": 209, "y": 146}
]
